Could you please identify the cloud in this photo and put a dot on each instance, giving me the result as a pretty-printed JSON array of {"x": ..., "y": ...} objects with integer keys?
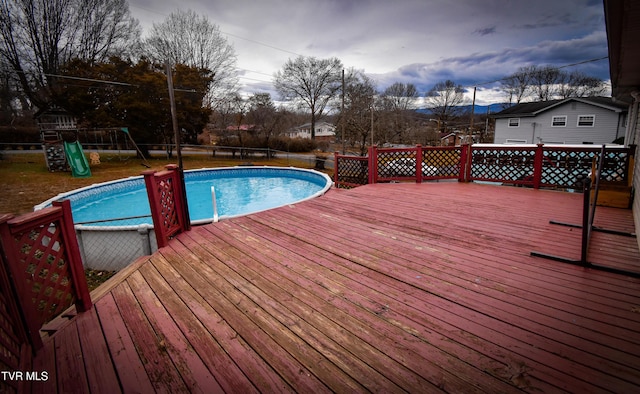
[
  {"x": 410, "y": 41},
  {"x": 485, "y": 31}
]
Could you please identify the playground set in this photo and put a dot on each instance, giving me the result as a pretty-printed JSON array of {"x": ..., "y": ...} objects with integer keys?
[{"x": 63, "y": 151}]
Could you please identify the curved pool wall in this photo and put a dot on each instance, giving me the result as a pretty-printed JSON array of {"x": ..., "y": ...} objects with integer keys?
[{"x": 114, "y": 246}]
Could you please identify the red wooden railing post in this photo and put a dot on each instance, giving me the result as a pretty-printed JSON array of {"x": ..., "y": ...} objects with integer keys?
[
  {"x": 465, "y": 163},
  {"x": 537, "y": 166},
  {"x": 83, "y": 299},
  {"x": 419, "y": 163},
  {"x": 181, "y": 189},
  {"x": 167, "y": 203},
  {"x": 373, "y": 164},
  {"x": 335, "y": 168},
  {"x": 154, "y": 204}
]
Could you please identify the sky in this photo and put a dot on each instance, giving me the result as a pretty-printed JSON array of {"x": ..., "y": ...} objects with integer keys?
[{"x": 423, "y": 42}]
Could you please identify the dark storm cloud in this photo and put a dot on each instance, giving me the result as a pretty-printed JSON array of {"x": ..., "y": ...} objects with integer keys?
[{"x": 415, "y": 41}]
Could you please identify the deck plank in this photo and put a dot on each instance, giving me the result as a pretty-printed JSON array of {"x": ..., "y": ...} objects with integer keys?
[
  {"x": 312, "y": 360},
  {"x": 391, "y": 287},
  {"x": 172, "y": 342},
  {"x": 129, "y": 368},
  {"x": 464, "y": 313},
  {"x": 101, "y": 374},
  {"x": 360, "y": 320},
  {"x": 239, "y": 315},
  {"x": 201, "y": 342},
  {"x": 70, "y": 370},
  {"x": 163, "y": 374},
  {"x": 336, "y": 343},
  {"x": 254, "y": 368}
]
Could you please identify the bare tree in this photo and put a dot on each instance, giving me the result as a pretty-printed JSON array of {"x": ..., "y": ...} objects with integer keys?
[
  {"x": 314, "y": 82},
  {"x": 398, "y": 102},
  {"x": 443, "y": 99},
  {"x": 578, "y": 84},
  {"x": 356, "y": 118},
  {"x": 186, "y": 38},
  {"x": 516, "y": 86},
  {"x": 400, "y": 97},
  {"x": 543, "y": 83},
  {"x": 38, "y": 36}
]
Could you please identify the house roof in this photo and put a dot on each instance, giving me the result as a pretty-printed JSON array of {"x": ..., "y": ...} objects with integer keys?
[
  {"x": 621, "y": 18},
  {"x": 535, "y": 108},
  {"x": 320, "y": 123}
]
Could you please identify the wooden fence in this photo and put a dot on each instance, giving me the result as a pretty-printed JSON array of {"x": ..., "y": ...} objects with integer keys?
[{"x": 532, "y": 165}]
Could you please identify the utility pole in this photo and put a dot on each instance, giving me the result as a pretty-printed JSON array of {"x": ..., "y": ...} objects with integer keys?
[
  {"x": 473, "y": 112},
  {"x": 372, "y": 121},
  {"x": 176, "y": 132},
  {"x": 342, "y": 116},
  {"x": 174, "y": 118}
]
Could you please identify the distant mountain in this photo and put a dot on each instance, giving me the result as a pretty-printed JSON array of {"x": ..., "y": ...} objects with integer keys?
[{"x": 479, "y": 109}]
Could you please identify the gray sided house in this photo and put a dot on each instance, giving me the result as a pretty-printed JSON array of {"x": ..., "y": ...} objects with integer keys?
[{"x": 587, "y": 120}]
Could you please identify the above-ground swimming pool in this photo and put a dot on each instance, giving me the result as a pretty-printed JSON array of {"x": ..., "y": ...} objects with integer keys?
[
  {"x": 109, "y": 216},
  {"x": 238, "y": 190}
]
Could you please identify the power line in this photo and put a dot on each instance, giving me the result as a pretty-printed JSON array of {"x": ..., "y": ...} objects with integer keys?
[{"x": 108, "y": 82}]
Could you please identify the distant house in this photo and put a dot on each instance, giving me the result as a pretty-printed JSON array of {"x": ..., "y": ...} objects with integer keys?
[
  {"x": 324, "y": 131},
  {"x": 588, "y": 120},
  {"x": 455, "y": 138}
]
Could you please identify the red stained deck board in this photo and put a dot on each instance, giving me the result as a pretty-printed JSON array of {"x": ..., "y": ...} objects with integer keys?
[
  {"x": 360, "y": 274},
  {"x": 317, "y": 329},
  {"x": 228, "y": 376},
  {"x": 44, "y": 361},
  {"x": 131, "y": 373},
  {"x": 463, "y": 311},
  {"x": 172, "y": 342},
  {"x": 464, "y": 270},
  {"x": 310, "y": 358},
  {"x": 151, "y": 348},
  {"x": 523, "y": 288},
  {"x": 239, "y": 315},
  {"x": 71, "y": 376},
  {"x": 280, "y": 220},
  {"x": 471, "y": 248},
  {"x": 360, "y": 320},
  {"x": 245, "y": 359},
  {"x": 99, "y": 368}
]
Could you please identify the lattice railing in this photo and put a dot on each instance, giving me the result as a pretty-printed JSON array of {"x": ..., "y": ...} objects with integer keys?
[
  {"x": 441, "y": 162},
  {"x": 351, "y": 171},
  {"x": 167, "y": 202},
  {"x": 567, "y": 168},
  {"x": 13, "y": 336},
  {"x": 396, "y": 164},
  {"x": 533, "y": 165},
  {"x": 504, "y": 164},
  {"x": 43, "y": 262}
]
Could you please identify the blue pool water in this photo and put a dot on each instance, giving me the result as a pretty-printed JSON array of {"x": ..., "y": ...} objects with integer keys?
[{"x": 238, "y": 191}]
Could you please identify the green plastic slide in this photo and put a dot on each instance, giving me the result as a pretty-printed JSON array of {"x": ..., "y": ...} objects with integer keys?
[{"x": 77, "y": 160}]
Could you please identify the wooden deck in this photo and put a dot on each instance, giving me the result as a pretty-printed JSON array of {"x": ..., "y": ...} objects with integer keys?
[{"x": 386, "y": 288}]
